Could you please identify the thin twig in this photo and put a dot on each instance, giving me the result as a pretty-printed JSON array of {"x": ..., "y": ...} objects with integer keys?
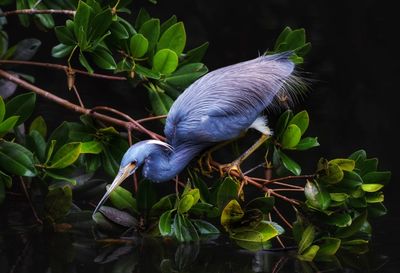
[
  {"x": 282, "y": 218},
  {"x": 151, "y": 118},
  {"x": 78, "y": 96},
  {"x": 30, "y": 201},
  {"x": 306, "y": 176},
  {"x": 254, "y": 168},
  {"x": 65, "y": 68},
  {"x": 76, "y": 108},
  {"x": 38, "y": 11},
  {"x": 128, "y": 118},
  {"x": 288, "y": 190},
  {"x": 265, "y": 181},
  {"x": 290, "y": 200},
  {"x": 277, "y": 237}
]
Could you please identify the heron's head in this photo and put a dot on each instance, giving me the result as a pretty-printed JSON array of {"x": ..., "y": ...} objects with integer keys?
[{"x": 133, "y": 158}]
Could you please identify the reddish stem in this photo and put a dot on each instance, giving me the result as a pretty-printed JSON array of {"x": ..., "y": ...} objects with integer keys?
[{"x": 38, "y": 11}]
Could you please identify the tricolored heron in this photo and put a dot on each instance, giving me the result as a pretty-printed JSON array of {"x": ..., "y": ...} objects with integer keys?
[{"x": 219, "y": 106}]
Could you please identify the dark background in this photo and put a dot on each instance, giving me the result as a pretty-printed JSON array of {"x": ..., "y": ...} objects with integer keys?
[{"x": 352, "y": 66}]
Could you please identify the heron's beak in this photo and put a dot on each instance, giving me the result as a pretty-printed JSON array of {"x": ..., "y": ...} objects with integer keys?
[{"x": 121, "y": 176}]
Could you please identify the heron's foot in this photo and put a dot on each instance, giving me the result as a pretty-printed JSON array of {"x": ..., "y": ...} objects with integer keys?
[
  {"x": 229, "y": 168},
  {"x": 204, "y": 163}
]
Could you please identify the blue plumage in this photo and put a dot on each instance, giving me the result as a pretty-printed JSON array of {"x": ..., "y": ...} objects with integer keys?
[{"x": 217, "y": 107}]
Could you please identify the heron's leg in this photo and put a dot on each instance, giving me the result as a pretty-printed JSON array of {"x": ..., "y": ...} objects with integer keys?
[
  {"x": 206, "y": 157},
  {"x": 235, "y": 165}
]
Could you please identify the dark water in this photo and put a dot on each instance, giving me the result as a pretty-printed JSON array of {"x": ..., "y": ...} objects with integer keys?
[{"x": 79, "y": 251}]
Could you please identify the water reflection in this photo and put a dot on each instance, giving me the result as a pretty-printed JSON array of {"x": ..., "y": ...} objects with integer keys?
[{"x": 84, "y": 251}]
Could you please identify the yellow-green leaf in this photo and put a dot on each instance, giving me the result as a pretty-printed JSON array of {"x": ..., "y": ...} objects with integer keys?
[
  {"x": 66, "y": 155},
  {"x": 371, "y": 187},
  {"x": 344, "y": 164}
]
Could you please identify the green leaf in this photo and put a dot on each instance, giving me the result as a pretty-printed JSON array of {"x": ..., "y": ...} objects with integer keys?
[
  {"x": 142, "y": 17},
  {"x": 60, "y": 177},
  {"x": 185, "y": 203},
  {"x": 301, "y": 120},
  {"x": 24, "y": 19},
  {"x": 61, "y": 50},
  {"x": 2, "y": 109},
  {"x": 368, "y": 165},
  {"x": 205, "y": 228},
  {"x": 100, "y": 24},
  {"x": 66, "y": 155},
  {"x": 309, "y": 253},
  {"x": 359, "y": 157},
  {"x": 289, "y": 164},
  {"x": 16, "y": 159},
  {"x": 81, "y": 21},
  {"x": 184, "y": 230},
  {"x": 45, "y": 19},
  {"x": 186, "y": 75},
  {"x": 138, "y": 45},
  {"x": 307, "y": 239},
  {"x": 227, "y": 191},
  {"x": 103, "y": 59},
  {"x": 165, "y": 61},
  {"x": 231, "y": 213},
  {"x": 173, "y": 38},
  {"x": 195, "y": 55},
  {"x": 338, "y": 196},
  {"x": 317, "y": 195},
  {"x": 291, "y": 136},
  {"x": 85, "y": 63},
  {"x": 123, "y": 199},
  {"x": 282, "y": 37},
  {"x": 118, "y": 29},
  {"x": 91, "y": 147},
  {"x": 376, "y": 210},
  {"x": 282, "y": 123},
  {"x": 307, "y": 143},
  {"x": 356, "y": 225},
  {"x": 22, "y": 106},
  {"x": 376, "y": 197},
  {"x": 202, "y": 187},
  {"x": 8, "y": 124},
  {"x": 339, "y": 219},
  {"x": 165, "y": 223},
  {"x": 148, "y": 73},
  {"x": 351, "y": 179},
  {"x": 265, "y": 204},
  {"x": 151, "y": 30},
  {"x": 344, "y": 164},
  {"x": 195, "y": 193},
  {"x": 377, "y": 178},
  {"x": 165, "y": 203},
  {"x": 329, "y": 247},
  {"x": 39, "y": 125},
  {"x": 64, "y": 35},
  {"x": 167, "y": 24},
  {"x": 36, "y": 143},
  {"x": 160, "y": 102},
  {"x": 371, "y": 187},
  {"x": 333, "y": 174},
  {"x": 58, "y": 202}
]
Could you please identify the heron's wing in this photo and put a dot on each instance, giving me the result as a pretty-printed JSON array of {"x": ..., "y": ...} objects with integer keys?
[{"x": 226, "y": 101}]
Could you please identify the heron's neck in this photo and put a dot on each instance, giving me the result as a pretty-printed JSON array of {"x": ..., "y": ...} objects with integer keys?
[{"x": 162, "y": 165}]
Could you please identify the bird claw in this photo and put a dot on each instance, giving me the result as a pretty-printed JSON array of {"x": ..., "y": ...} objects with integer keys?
[
  {"x": 206, "y": 159},
  {"x": 229, "y": 168}
]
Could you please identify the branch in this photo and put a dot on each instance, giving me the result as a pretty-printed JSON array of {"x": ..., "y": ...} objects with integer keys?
[
  {"x": 65, "y": 68},
  {"x": 38, "y": 11},
  {"x": 76, "y": 108}
]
